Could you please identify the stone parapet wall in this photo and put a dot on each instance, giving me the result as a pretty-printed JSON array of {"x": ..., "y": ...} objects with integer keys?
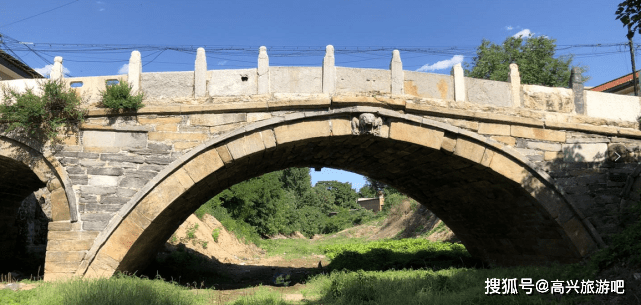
[{"x": 178, "y": 88}]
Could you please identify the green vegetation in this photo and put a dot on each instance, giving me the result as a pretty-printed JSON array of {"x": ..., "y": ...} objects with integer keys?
[
  {"x": 215, "y": 233},
  {"x": 118, "y": 96},
  {"x": 120, "y": 289},
  {"x": 297, "y": 248},
  {"x": 533, "y": 55},
  {"x": 440, "y": 227},
  {"x": 398, "y": 254},
  {"x": 41, "y": 116},
  {"x": 284, "y": 202},
  {"x": 191, "y": 232},
  {"x": 624, "y": 247}
]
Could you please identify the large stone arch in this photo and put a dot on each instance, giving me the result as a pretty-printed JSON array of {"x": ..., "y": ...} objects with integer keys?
[
  {"x": 23, "y": 170},
  {"x": 503, "y": 209}
]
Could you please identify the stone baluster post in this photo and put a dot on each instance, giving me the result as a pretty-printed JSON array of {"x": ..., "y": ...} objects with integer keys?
[
  {"x": 577, "y": 89},
  {"x": 134, "y": 76},
  {"x": 263, "y": 71},
  {"x": 396, "y": 67},
  {"x": 459, "y": 83},
  {"x": 200, "y": 74},
  {"x": 57, "y": 71},
  {"x": 329, "y": 71},
  {"x": 515, "y": 85}
]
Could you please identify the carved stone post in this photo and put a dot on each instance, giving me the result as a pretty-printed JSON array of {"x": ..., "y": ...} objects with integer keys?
[
  {"x": 329, "y": 71},
  {"x": 459, "y": 83},
  {"x": 263, "y": 71},
  {"x": 134, "y": 76},
  {"x": 577, "y": 88},
  {"x": 515, "y": 85},
  {"x": 396, "y": 67},
  {"x": 57, "y": 71},
  {"x": 200, "y": 74}
]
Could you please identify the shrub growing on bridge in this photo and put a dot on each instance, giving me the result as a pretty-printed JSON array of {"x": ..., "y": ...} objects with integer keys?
[
  {"x": 41, "y": 115},
  {"x": 118, "y": 96}
]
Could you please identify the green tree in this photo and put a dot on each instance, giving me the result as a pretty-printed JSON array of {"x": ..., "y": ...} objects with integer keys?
[
  {"x": 261, "y": 202},
  {"x": 629, "y": 12},
  {"x": 533, "y": 55},
  {"x": 372, "y": 187},
  {"x": 344, "y": 194}
]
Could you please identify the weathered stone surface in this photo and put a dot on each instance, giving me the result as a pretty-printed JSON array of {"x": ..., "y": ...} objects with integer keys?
[
  {"x": 159, "y": 160},
  {"x": 76, "y": 170},
  {"x": 65, "y": 256},
  {"x": 72, "y": 235},
  {"x": 537, "y": 133},
  {"x": 544, "y": 146},
  {"x": 611, "y": 106},
  {"x": 97, "y": 190},
  {"x": 122, "y": 158},
  {"x": 133, "y": 182},
  {"x": 92, "y": 163},
  {"x": 505, "y": 140},
  {"x": 105, "y": 171},
  {"x": 203, "y": 165},
  {"x": 103, "y": 181},
  {"x": 469, "y": 150},
  {"x": 93, "y": 138},
  {"x": 589, "y": 152},
  {"x": 488, "y": 92},
  {"x": 508, "y": 168},
  {"x": 122, "y": 239},
  {"x": 167, "y": 85},
  {"x": 69, "y": 245},
  {"x": 217, "y": 119},
  {"x": 303, "y": 130},
  {"x": 494, "y": 129},
  {"x": 549, "y": 99},
  {"x": 415, "y": 134},
  {"x": 79, "y": 179},
  {"x": 224, "y": 154},
  {"x": 176, "y": 136},
  {"x": 59, "y": 205}
]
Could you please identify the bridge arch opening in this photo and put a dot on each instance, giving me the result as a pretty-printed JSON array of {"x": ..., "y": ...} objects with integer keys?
[
  {"x": 501, "y": 208},
  {"x": 31, "y": 195}
]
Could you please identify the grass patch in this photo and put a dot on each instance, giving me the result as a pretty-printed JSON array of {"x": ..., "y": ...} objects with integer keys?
[
  {"x": 448, "y": 286},
  {"x": 122, "y": 290},
  {"x": 398, "y": 254},
  {"x": 298, "y": 248}
]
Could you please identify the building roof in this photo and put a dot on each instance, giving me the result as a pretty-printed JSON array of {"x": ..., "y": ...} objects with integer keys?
[
  {"x": 17, "y": 66},
  {"x": 621, "y": 82}
]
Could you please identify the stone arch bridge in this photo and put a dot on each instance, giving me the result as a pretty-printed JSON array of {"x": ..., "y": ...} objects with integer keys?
[{"x": 522, "y": 174}]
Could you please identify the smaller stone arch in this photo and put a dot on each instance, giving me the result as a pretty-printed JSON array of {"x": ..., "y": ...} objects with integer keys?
[{"x": 24, "y": 170}]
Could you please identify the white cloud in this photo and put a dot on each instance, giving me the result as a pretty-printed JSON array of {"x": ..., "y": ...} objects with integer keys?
[
  {"x": 222, "y": 62},
  {"x": 509, "y": 27},
  {"x": 102, "y": 9},
  {"x": 523, "y": 33},
  {"x": 100, "y": 2},
  {"x": 443, "y": 64},
  {"x": 46, "y": 70},
  {"x": 124, "y": 69}
]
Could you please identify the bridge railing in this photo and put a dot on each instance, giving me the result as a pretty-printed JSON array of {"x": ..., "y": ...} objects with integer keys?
[{"x": 166, "y": 88}]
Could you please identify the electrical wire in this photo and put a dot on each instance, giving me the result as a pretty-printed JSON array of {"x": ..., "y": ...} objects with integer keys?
[{"x": 36, "y": 15}]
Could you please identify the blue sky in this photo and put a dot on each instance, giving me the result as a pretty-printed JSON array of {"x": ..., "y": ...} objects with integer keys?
[{"x": 168, "y": 32}]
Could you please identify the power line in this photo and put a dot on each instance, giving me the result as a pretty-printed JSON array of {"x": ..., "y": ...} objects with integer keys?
[{"x": 36, "y": 15}]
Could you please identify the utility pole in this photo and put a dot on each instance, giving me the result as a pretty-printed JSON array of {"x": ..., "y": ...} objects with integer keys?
[{"x": 634, "y": 70}]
